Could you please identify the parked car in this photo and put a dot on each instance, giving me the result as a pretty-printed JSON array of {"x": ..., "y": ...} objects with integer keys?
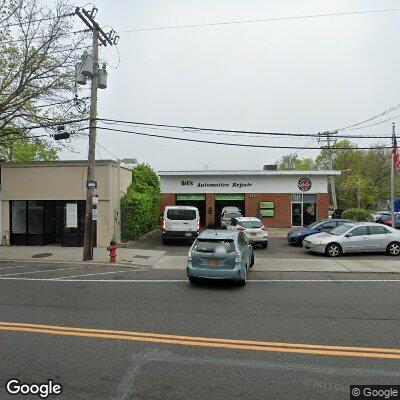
[
  {"x": 297, "y": 235},
  {"x": 252, "y": 227},
  {"x": 227, "y": 216},
  {"x": 180, "y": 222},
  {"x": 355, "y": 237},
  {"x": 220, "y": 254},
  {"x": 386, "y": 219}
]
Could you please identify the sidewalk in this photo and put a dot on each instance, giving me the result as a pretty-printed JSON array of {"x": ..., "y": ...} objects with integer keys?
[{"x": 127, "y": 257}]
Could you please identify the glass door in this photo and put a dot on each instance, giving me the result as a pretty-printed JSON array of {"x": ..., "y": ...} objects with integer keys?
[
  {"x": 309, "y": 214},
  {"x": 297, "y": 214}
]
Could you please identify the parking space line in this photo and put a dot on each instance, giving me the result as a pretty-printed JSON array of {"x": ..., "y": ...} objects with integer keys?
[
  {"x": 38, "y": 272},
  {"x": 98, "y": 273}
]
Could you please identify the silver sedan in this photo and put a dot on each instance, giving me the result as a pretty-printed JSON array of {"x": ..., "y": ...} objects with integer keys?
[{"x": 355, "y": 238}]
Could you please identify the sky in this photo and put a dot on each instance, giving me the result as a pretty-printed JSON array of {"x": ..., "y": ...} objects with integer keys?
[{"x": 301, "y": 76}]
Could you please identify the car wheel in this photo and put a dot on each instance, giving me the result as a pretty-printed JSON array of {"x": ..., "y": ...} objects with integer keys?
[
  {"x": 164, "y": 240},
  {"x": 333, "y": 250},
  {"x": 193, "y": 280},
  {"x": 252, "y": 260},
  {"x": 264, "y": 245},
  {"x": 243, "y": 281},
  {"x": 393, "y": 249}
]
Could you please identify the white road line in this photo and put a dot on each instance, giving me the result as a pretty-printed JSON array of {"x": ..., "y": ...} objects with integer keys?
[
  {"x": 17, "y": 266},
  {"x": 98, "y": 273},
  {"x": 38, "y": 272},
  {"x": 186, "y": 281}
]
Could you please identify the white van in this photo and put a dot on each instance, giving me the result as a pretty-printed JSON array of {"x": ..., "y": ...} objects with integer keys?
[{"x": 180, "y": 222}]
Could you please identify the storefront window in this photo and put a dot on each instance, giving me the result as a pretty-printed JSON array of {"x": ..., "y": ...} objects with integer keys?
[
  {"x": 18, "y": 216},
  {"x": 35, "y": 216}
]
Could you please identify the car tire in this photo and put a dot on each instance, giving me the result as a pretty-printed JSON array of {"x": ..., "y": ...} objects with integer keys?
[
  {"x": 393, "y": 249},
  {"x": 333, "y": 250},
  {"x": 264, "y": 245},
  {"x": 243, "y": 282},
  {"x": 252, "y": 260},
  {"x": 193, "y": 280}
]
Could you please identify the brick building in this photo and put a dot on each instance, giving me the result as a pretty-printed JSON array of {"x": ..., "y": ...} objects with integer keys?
[{"x": 284, "y": 198}]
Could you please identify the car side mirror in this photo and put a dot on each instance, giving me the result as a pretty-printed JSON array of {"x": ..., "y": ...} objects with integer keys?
[{"x": 349, "y": 235}]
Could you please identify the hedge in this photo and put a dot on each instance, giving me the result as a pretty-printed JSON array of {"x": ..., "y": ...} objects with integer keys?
[
  {"x": 140, "y": 206},
  {"x": 357, "y": 214}
]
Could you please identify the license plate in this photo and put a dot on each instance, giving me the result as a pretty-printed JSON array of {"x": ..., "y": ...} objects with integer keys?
[
  {"x": 213, "y": 262},
  {"x": 253, "y": 234},
  {"x": 188, "y": 234}
]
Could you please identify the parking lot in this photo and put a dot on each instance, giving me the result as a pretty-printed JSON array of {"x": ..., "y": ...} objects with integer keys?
[{"x": 278, "y": 248}]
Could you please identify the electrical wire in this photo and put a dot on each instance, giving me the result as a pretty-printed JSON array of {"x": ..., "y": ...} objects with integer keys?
[
  {"x": 250, "y": 21},
  {"x": 376, "y": 123},
  {"x": 37, "y": 20},
  {"x": 42, "y": 37},
  {"x": 213, "y": 130},
  {"x": 388, "y": 111},
  {"x": 231, "y": 144}
]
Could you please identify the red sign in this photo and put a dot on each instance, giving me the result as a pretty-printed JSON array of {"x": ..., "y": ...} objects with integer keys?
[{"x": 304, "y": 184}]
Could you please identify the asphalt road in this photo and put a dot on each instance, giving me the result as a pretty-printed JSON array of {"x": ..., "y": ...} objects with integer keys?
[{"x": 360, "y": 310}]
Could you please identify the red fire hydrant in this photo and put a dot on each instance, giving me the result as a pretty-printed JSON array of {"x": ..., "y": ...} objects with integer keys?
[{"x": 113, "y": 251}]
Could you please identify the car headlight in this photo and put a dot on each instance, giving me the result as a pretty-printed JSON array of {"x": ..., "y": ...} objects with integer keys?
[
  {"x": 190, "y": 255},
  {"x": 318, "y": 241}
]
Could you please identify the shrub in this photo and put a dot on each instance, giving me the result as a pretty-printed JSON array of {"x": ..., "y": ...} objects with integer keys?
[
  {"x": 140, "y": 205},
  {"x": 357, "y": 214}
]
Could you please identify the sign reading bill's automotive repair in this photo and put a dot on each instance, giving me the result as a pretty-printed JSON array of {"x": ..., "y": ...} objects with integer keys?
[{"x": 240, "y": 184}]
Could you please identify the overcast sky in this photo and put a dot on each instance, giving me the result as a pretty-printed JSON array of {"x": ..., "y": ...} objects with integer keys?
[{"x": 301, "y": 76}]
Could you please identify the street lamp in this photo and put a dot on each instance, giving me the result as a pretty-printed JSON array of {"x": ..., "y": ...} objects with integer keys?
[{"x": 117, "y": 229}]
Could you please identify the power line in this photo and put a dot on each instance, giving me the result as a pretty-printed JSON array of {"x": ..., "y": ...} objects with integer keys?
[
  {"x": 250, "y": 21},
  {"x": 234, "y": 144},
  {"x": 213, "y": 130},
  {"x": 388, "y": 111},
  {"x": 37, "y": 20},
  {"x": 376, "y": 123},
  {"x": 43, "y": 37}
]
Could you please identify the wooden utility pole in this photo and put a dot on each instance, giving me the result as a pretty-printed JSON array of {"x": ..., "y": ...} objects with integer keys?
[
  {"x": 112, "y": 39},
  {"x": 392, "y": 178},
  {"x": 89, "y": 223}
]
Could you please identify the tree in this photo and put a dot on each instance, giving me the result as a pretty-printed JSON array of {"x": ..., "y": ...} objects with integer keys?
[
  {"x": 38, "y": 51},
  {"x": 293, "y": 162}
]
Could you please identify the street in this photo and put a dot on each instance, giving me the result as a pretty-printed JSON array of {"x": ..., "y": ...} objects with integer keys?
[{"x": 257, "y": 342}]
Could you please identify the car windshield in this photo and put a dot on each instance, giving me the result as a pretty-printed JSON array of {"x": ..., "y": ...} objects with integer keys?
[
  {"x": 232, "y": 215},
  {"x": 313, "y": 225},
  {"x": 181, "y": 215},
  {"x": 214, "y": 246},
  {"x": 250, "y": 224},
  {"x": 341, "y": 229}
]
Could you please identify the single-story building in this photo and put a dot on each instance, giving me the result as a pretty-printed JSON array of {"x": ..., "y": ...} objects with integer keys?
[
  {"x": 283, "y": 198},
  {"x": 44, "y": 202}
]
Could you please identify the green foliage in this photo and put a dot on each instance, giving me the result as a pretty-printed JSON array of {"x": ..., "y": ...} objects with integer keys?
[
  {"x": 357, "y": 214},
  {"x": 293, "y": 162},
  {"x": 16, "y": 146},
  {"x": 140, "y": 206}
]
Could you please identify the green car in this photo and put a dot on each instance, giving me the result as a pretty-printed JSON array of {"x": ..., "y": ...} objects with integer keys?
[{"x": 220, "y": 254}]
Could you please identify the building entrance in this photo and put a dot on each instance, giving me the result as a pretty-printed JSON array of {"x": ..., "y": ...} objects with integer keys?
[{"x": 228, "y": 200}]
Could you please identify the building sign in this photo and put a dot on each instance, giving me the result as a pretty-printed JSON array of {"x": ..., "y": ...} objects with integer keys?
[
  {"x": 267, "y": 213},
  {"x": 267, "y": 204},
  {"x": 91, "y": 184},
  {"x": 192, "y": 197},
  {"x": 71, "y": 220},
  {"x": 229, "y": 197},
  {"x": 304, "y": 184},
  {"x": 205, "y": 184}
]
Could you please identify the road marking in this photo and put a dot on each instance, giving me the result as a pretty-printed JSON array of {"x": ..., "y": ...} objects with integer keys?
[
  {"x": 38, "y": 272},
  {"x": 63, "y": 279},
  {"x": 252, "y": 345},
  {"x": 98, "y": 273},
  {"x": 17, "y": 266}
]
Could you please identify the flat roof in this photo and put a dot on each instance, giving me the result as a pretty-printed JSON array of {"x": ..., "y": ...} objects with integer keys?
[
  {"x": 57, "y": 163},
  {"x": 248, "y": 172}
]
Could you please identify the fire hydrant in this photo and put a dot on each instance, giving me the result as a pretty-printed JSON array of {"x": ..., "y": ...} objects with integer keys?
[{"x": 112, "y": 248}]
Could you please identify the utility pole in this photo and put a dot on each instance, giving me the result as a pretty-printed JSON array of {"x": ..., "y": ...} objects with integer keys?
[
  {"x": 392, "y": 178},
  {"x": 327, "y": 136},
  {"x": 93, "y": 73}
]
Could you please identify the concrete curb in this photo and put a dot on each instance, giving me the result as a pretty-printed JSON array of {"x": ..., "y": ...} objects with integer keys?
[{"x": 83, "y": 263}]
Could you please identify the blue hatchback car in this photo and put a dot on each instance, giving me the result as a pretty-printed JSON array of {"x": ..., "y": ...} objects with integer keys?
[
  {"x": 220, "y": 254},
  {"x": 297, "y": 235}
]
